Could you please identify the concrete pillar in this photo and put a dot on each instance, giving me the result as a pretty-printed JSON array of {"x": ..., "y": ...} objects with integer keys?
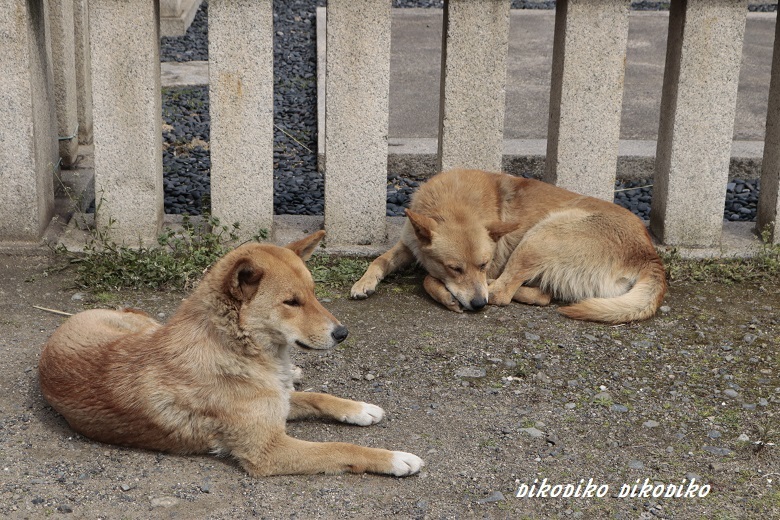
[
  {"x": 356, "y": 120},
  {"x": 475, "y": 41},
  {"x": 698, "y": 104},
  {"x": 28, "y": 133},
  {"x": 586, "y": 95},
  {"x": 83, "y": 70},
  {"x": 769, "y": 196},
  {"x": 241, "y": 104},
  {"x": 125, "y": 47},
  {"x": 64, "y": 66}
]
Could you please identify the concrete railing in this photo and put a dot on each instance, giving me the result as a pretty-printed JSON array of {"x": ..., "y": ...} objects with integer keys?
[{"x": 115, "y": 82}]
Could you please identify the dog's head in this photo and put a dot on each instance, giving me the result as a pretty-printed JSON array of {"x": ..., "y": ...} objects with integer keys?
[
  {"x": 459, "y": 253},
  {"x": 273, "y": 292}
]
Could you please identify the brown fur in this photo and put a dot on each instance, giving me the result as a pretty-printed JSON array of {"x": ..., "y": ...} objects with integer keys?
[
  {"x": 493, "y": 238},
  {"x": 217, "y": 377}
]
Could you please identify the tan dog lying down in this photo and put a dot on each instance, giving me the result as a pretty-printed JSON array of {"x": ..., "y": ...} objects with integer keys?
[
  {"x": 493, "y": 238},
  {"x": 216, "y": 378}
]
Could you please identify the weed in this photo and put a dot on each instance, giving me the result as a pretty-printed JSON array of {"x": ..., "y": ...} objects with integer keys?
[
  {"x": 337, "y": 271},
  {"x": 179, "y": 261}
]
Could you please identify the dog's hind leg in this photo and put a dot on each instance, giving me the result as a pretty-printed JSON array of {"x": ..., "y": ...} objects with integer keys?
[
  {"x": 311, "y": 404},
  {"x": 285, "y": 455},
  {"x": 397, "y": 257},
  {"x": 531, "y": 296}
]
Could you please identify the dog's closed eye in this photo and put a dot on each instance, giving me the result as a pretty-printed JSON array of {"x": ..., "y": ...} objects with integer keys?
[{"x": 292, "y": 302}]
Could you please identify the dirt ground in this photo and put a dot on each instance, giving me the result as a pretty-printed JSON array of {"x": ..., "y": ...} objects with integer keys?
[{"x": 492, "y": 401}]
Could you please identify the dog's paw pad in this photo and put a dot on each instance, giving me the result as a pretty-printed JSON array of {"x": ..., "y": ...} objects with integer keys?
[
  {"x": 405, "y": 464},
  {"x": 368, "y": 414}
]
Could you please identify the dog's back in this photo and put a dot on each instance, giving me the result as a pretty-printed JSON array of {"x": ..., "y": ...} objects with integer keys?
[{"x": 76, "y": 358}]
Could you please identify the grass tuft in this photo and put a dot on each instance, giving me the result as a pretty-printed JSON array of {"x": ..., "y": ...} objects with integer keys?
[{"x": 764, "y": 266}]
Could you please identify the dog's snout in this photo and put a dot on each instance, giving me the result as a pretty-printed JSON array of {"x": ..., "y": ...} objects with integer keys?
[
  {"x": 478, "y": 303},
  {"x": 340, "y": 333}
]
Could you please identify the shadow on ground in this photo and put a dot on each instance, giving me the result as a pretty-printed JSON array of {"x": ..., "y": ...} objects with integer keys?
[{"x": 490, "y": 401}]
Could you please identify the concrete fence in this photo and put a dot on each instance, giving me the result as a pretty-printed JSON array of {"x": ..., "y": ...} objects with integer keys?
[{"x": 57, "y": 90}]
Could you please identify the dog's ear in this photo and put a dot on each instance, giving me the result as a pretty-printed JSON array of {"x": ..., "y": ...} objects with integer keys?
[
  {"x": 424, "y": 227},
  {"x": 243, "y": 279},
  {"x": 306, "y": 246},
  {"x": 498, "y": 228}
]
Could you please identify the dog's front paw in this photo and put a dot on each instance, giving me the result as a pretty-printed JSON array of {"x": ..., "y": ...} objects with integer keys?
[
  {"x": 452, "y": 304},
  {"x": 362, "y": 289},
  {"x": 369, "y": 414},
  {"x": 297, "y": 374},
  {"x": 405, "y": 464},
  {"x": 497, "y": 296}
]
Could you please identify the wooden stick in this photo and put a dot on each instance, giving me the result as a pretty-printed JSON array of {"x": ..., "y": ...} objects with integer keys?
[{"x": 61, "y": 313}]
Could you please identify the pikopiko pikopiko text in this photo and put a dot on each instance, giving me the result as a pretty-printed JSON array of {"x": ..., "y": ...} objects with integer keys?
[{"x": 590, "y": 489}]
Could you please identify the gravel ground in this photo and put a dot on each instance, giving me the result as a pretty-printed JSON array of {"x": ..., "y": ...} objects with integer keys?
[
  {"x": 491, "y": 401},
  {"x": 298, "y": 186}
]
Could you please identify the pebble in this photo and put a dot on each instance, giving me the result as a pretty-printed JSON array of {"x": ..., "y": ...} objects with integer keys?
[
  {"x": 542, "y": 377},
  {"x": 495, "y": 496},
  {"x": 743, "y": 438},
  {"x": 714, "y": 434},
  {"x": 636, "y": 464},
  {"x": 370, "y": 377},
  {"x": 474, "y": 372},
  {"x": 730, "y": 392},
  {"x": 530, "y": 336},
  {"x": 570, "y": 406},
  {"x": 665, "y": 309},
  {"x": 533, "y": 432},
  {"x": 714, "y": 450},
  {"x": 650, "y": 424},
  {"x": 163, "y": 502},
  {"x": 619, "y": 408},
  {"x": 77, "y": 297}
]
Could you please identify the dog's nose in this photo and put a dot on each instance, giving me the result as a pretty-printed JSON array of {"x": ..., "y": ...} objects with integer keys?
[
  {"x": 340, "y": 334},
  {"x": 478, "y": 303}
]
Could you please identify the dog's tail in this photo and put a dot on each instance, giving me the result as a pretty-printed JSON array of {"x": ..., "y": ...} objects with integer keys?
[{"x": 639, "y": 303}]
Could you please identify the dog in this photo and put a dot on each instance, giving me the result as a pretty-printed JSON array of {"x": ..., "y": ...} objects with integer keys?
[
  {"x": 490, "y": 238},
  {"x": 217, "y": 377}
]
